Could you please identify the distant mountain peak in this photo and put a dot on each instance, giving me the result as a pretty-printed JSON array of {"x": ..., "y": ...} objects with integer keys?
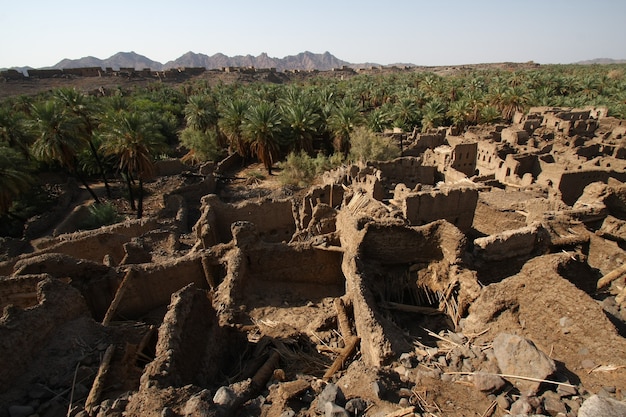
[{"x": 306, "y": 60}]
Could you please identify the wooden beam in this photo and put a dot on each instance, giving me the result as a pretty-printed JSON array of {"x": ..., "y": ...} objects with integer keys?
[
  {"x": 119, "y": 294},
  {"x": 98, "y": 383}
]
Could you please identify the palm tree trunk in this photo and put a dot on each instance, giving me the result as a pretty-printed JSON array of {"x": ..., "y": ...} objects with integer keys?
[
  {"x": 140, "y": 199},
  {"x": 82, "y": 180},
  {"x": 100, "y": 167},
  {"x": 131, "y": 197}
]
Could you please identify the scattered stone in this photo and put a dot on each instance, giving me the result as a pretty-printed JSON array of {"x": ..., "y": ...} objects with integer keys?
[
  {"x": 356, "y": 406},
  {"x": 588, "y": 364},
  {"x": 405, "y": 393},
  {"x": 168, "y": 412},
  {"x": 596, "y": 406},
  {"x": 331, "y": 394},
  {"x": 288, "y": 413},
  {"x": 552, "y": 403},
  {"x": 407, "y": 360},
  {"x": 378, "y": 390},
  {"x": 333, "y": 410},
  {"x": 566, "y": 390},
  {"x": 503, "y": 402},
  {"x": 520, "y": 357},
  {"x": 404, "y": 402},
  {"x": 224, "y": 396},
  {"x": 199, "y": 404},
  {"x": 487, "y": 382}
]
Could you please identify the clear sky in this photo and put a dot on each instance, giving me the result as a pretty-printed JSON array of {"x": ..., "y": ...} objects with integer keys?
[{"x": 40, "y": 33}]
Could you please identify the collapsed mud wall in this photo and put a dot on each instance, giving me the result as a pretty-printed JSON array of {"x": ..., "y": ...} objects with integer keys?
[
  {"x": 152, "y": 285},
  {"x": 24, "y": 332},
  {"x": 388, "y": 243},
  {"x": 192, "y": 348},
  {"x": 274, "y": 219}
]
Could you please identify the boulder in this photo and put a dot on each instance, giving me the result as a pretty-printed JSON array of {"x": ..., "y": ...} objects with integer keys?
[
  {"x": 595, "y": 406},
  {"x": 520, "y": 357}
]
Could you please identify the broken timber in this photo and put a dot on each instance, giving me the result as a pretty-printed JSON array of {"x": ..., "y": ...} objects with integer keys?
[
  {"x": 612, "y": 276},
  {"x": 119, "y": 294},
  {"x": 98, "y": 383}
]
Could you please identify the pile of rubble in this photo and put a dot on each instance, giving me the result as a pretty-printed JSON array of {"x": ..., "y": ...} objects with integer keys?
[{"x": 484, "y": 275}]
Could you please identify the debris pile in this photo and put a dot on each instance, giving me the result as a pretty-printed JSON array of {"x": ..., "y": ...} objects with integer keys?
[{"x": 480, "y": 286}]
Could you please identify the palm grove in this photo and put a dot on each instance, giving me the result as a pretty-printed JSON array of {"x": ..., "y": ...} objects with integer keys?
[{"x": 304, "y": 128}]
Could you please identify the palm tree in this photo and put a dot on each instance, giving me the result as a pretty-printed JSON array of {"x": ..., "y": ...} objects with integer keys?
[
  {"x": 406, "y": 114},
  {"x": 459, "y": 112},
  {"x": 77, "y": 104},
  {"x": 262, "y": 128},
  {"x": 58, "y": 138},
  {"x": 514, "y": 99},
  {"x": 344, "y": 117},
  {"x": 380, "y": 119},
  {"x": 15, "y": 178},
  {"x": 201, "y": 113},
  {"x": 231, "y": 123},
  {"x": 303, "y": 121},
  {"x": 434, "y": 114},
  {"x": 133, "y": 139},
  {"x": 13, "y": 131}
]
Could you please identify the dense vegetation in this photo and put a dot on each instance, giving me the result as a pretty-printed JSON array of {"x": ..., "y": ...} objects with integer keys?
[{"x": 309, "y": 126}]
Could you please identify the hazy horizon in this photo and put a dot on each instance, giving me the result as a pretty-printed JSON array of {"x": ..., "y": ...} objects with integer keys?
[{"x": 41, "y": 33}]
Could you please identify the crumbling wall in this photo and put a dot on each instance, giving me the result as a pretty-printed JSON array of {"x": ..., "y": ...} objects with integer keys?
[
  {"x": 151, "y": 285},
  {"x": 274, "y": 219},
  {"x": 20, "y": 291},
  {"x": 192, "y": 348},
  {"x": 24, "y": 332},
  {"x": 390, "y": 243},
  {"x": 456, "y": 205},
  {"x": 329, "y": 194},
  {"x": 407, "y": 170},
  {"x": 464, "y": 157},
  {"x": 512, "y": 243}
]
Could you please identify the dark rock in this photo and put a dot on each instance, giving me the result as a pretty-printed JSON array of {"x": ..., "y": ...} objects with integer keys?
[{"x": 356, "y": 406}]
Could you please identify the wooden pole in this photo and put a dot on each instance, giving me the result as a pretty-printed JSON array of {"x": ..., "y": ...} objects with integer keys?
[
  {"x": 98, "y": 383},
  {"x": 119, "y": 294},
  {"x": 612, "y": 276},
  {"x": 348, "y": 350},
  {"x": 342, "y": 319}
]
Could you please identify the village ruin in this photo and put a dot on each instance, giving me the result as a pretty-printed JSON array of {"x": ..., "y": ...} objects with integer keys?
[{"x": 481, "y": 273}]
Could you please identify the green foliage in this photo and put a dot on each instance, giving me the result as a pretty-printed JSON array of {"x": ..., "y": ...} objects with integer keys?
[
  {"x": 100, "y": 215},
  {"x": 366, "y": 145},
  {"x": 15, "y": 177},
  {"x": 203, "y": 145},
  {"x": 300, "y": 169}
]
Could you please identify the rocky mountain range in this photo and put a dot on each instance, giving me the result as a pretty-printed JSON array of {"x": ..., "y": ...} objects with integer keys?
[{"x": 302, "y": 61}]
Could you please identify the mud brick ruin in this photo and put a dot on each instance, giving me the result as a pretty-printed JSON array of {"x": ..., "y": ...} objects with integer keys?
[{"x": 479, "y": 274}]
